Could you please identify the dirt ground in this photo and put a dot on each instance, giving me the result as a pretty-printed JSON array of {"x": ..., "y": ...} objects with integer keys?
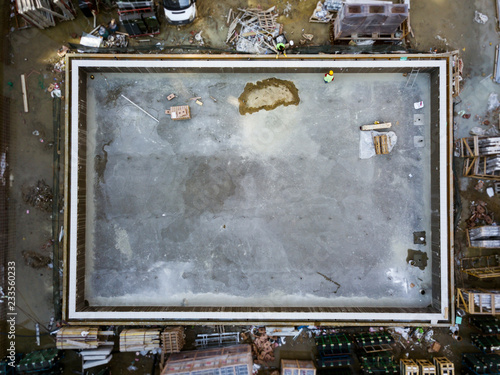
[{"x": 444, "y": 25}]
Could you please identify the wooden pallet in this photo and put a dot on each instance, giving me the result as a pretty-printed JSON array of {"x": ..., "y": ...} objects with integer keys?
[
  {"x": 488, "y": 266},
  {"x": 172, "y": 341},
  {"x": 381, "y": 144},
  {"x": 384, "y": 125},
  {"x": 483, "y": 273},
  {"x": 181, "y": 112},
  {"x": 377, "y": 348}
]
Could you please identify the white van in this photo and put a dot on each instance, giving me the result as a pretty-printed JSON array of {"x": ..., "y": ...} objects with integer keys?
[{"x": 179, "y": 12}]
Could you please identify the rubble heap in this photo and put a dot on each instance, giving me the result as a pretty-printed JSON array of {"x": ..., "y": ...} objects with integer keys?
[{"x": 253, "y": 30}]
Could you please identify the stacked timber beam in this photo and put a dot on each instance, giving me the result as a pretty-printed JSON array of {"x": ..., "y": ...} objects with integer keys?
[
  {"x": 458, "y": 66},
  {"x": 253, "y": 30},
  {"x": 142, "y": 339},
  {"x": 82, "y": 338},
  {"x": 41, "y": 13}
]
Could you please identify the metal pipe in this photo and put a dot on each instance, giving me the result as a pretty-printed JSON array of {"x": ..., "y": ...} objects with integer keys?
[{"x": 140, "y": 108}]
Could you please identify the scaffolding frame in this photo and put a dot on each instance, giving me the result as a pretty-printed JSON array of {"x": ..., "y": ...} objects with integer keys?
[
  {"x": 489, "y": 266},
  {"x": 466, "y": 299},
  {"x": 409, "y": 367},
  {"x": 426, "y": 367},
  {"x": 444, "y": 366}
]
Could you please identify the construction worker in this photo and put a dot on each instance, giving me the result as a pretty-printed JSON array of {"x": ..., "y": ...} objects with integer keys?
[
  {"x": 112, "y": 27},
  {"x": 280, "y": 47},
  {"x": 329, "y": 77},
  {"x": 103, "y": 32}
]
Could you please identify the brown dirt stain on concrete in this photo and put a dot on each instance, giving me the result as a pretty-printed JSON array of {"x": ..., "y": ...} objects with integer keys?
[{"x": 268, "y": 94}]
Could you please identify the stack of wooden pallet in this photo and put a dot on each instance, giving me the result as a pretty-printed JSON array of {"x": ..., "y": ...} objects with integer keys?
[
  {"x": 41, "y": 13},
  {"x": 256, "y": 30},
  {"x": 172, "y": 341},
  {"x": 132, "y": 340},
  {"x": 81, "y": 338}
]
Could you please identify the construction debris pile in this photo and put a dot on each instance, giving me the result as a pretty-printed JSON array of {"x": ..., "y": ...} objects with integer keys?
[
  {"x": 119, "y": 40},
  {"x": 36, "y": 260},
  {"x": 479, "y": 215},
  {"x": 39, "y": 196},
  {"x": 253, "y": 30},
  {"x": 41, "y": 13},
  {"x": 262, "y": 348},
  {"x": 321, "y": 13}
]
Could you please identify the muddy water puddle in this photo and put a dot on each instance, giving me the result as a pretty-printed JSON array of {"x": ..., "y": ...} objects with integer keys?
[{"x": 268, "y": 94}]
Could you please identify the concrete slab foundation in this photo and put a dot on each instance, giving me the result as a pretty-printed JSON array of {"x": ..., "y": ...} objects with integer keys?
[{"x": 270, "y": 215}]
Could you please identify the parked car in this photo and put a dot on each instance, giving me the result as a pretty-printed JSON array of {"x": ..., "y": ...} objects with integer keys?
[{"x": 179, "y": 12}]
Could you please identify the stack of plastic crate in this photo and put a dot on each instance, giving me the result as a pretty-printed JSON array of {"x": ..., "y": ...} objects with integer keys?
[
  {"x": 487, "y": 324},
  {"x": 480, "y": 363},
  {"x": 138, "y": 17},
  {"x": 376, "y": 356},
  {"x": 487, "y": 343},
  {"x": 334, "y": 350},
  {"x": 46, "y": 361}
]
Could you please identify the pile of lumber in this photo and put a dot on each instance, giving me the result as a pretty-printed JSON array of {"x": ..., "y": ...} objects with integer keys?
[
  {"x": 133, "y": 340},
  {"x": 96, "y": 357},
  {"x": 81, "y": 338},
  {"x": 253, "y": 30},
  {"x": 41, "y": 13}
]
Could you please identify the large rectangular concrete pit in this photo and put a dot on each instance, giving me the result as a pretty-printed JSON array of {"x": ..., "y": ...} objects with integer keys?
[{"x": 268, "y": 216}]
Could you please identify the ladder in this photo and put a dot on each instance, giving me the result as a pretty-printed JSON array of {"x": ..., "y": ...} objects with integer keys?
[{"x": 412, "y": 77}]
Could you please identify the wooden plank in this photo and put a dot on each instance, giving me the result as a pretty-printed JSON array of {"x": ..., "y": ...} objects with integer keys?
[
  {"x": 498, "y": 14},
  {"x": 376, "y": 143},
  {"x": 467, "y": 146},
  {"x": 25, "y": 93},
  {"x": 496, "y": 68},
  {"x": 384, "y": 125},
  {"x": 90, "y": 364}
]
